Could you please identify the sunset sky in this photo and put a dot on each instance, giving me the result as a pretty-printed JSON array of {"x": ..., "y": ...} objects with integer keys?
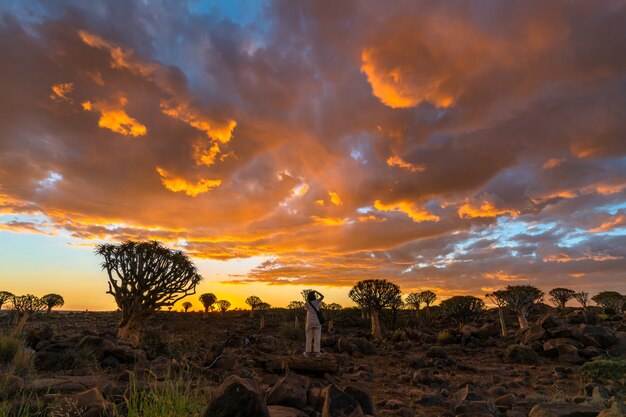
[{"x": 457, "y": 146}]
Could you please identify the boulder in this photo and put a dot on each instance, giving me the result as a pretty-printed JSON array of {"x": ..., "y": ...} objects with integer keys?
[
  {"x": 280, "y": 411},
  {"x": 363, "y": 397},
  {"x": 597, "y": 336},
  {"x": 617, "y": 410},
  {"x": 325, "y": 364},
  {"x": 550, "y": 321},
  {"x": 563, "y": 410},
  {"x": 84, "y": 404},
  {"x": 290, "y": 391},
  {"x": 339, "y": 404},
  {"x": 236, "y": 397},
  {"x": 521, "y": 354},
  {"x": 533, "y": 333}
]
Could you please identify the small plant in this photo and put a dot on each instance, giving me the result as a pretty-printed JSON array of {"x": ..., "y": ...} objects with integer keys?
[
  {"x": 521, "y": 354},
  {"x": 446, "y": 337},
  {"x": 289, "y": 332},
  {"x": 9, "y": 346},
  {"x": 603, "y": 370},
  {"x": 15, "y": 356}
]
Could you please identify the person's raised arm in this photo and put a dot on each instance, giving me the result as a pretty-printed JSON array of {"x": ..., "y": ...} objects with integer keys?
[{"x": 320, "y": 294}]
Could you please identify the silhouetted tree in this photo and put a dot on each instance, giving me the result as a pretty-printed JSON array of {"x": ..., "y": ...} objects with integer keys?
[
  {"x": 583, "y": 298},
  {"x": 253, "y": 301},
  {"x": 52, "y": 300},
  {"x": 560, "y": 297},
  {"x": 207, "y": 300},
  {"x": 395, "y": 305},
  {"x": 462, "y": 309},
  {"x": 5, "y": 297},
  {"x": 428, "y": 297},
  {"x": 24, "y": 306},
  {"x": 610, "y": 301},
  {"x": 520, "y": 298},
  {"x": 414, "y": 301},
  {"x": 295, "y": 305},
  {"x": 376, "y": 295},
  {"x": 262, "y": 308},
  {"x": 223, "y": 305},
  {"x": 144, "y": 276},
  {"x": 187, "y": 305},
  {"x": 497, "y": 298}
]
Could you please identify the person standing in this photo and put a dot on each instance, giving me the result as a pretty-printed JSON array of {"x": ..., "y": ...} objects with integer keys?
[{"x": 313, "y": 325}]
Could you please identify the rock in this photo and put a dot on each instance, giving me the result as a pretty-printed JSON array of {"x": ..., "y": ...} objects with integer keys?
[
  {"x": 84, "y": 404},
  {"x": 600, "y": 393},
  {"x": 236, "y": 397},
  {"x": 550, "y": 321},
  {"x": 533, "y": 333},
  {"x": 54, "y": 386},
  {"x": 430, "y": 400},
  {"x": 315, "y": 398},
  {"x": 339, "y": 404},
  {"x": 507, "y": 400},
  {"x": 11, "y": 385},
  {"x": 563, "y": 410},
  {"x": 597, "y": 336},
  {"x": 617, "y": 410},
  {"x": 325, "y": 364},
  {"x": 344, "y": 345},
  {"x": 521, "y": 354},
  {"x": 363, "y": 397},
  {"x": 38, "y": 334},
  {"x": 280, "y": 411},
  {"x": 290, "y": 391},
  {"x": 470, "y": 393},
  {"x": 435, "y": 352}
]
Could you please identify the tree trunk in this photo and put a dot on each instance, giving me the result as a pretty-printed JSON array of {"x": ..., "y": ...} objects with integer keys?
[
  {"x": 363, "y": 314},
  {"x": 130, "y": 329},
  {"x": 49, "y": 309},
  {"x": 331, "y": 324},
  {"x": 251, "y": 313},
  {"x": 20, "y": 322},
  {"x": 523, "y": 321},
  {"x": 296, "y": 323},
  {"x": 376, "y": 325},
  {"x": 262, "y": 323},
  {"x": 502, "y": 323}
]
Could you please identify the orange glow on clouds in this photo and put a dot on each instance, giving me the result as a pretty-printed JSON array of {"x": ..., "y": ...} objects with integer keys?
[
  {"x": 62, "y": 92},
  {"x": 416, "y": 214},
  {"x": 335, "y": 199},
  {"x": 113, "y": 117},
  {"x": 396, "y": 161},
  {"x": 178, "y": 184},
  {"x": 485, "y": 209},
  {"x": 220, "y": 132}
]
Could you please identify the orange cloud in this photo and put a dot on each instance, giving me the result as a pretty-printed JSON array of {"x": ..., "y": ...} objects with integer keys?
[
  {"x": 113, "y": 117},
  {"x": 610, "y": 225},
  {"x": 329, "y": 221},
  {"x": 562, "y": 258},
  {"x": 119, "y": 57},
  {"x": 552, "y": 163},
  {"x": 486, "y": 209},
  {"x": 502, "y": 276},
  {"x": 335, "y": 199},
  {"x": 221, "y": 132},
  {"x": 177, "y": 184},
  {"x": 396, "y": 161},
  {"x": 62, "y": 92},
  {"x": 409, "y": 208}
]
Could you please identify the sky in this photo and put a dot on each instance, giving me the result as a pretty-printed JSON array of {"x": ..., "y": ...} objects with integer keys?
[{"x": 456, "y": 146}]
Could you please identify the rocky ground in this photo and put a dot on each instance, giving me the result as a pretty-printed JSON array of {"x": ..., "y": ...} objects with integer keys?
[{"x": 424, "y": 368}]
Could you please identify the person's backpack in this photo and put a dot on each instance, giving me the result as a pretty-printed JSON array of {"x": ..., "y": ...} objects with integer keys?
[{"x": 320, "y": 316}]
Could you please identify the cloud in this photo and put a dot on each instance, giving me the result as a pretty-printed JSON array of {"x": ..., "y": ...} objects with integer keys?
[{"x": 436, "y": 146}]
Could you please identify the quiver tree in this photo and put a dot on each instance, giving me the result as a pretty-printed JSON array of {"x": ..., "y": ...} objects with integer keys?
[
  {"x": 560, "y": 296},
  {"x": 332, "y": 308},
  {"x": 296, "y": 306},
  {"x": 223, "y": 305},
  {"x": 52, "y": 300},
  {"x": 428, "y": 297},
  {"x": 500, "y": 302},
  {"x": 262, "y": 309},
  {"x": 375, "y": 295},
  {"x": 253, "y": 301},
  {"x": 24, "y": 306},
  {"x": 462, "y": 309},
  {"x": 414, "y": 301},
  {"x": 144, "y": 276},
  {"x": 610, "y": 301},
  {"x": 520, "y": 298},
  {"x": 583, "y": 299},
  {"x": 187, "y": 305},
  {"x": 207, "y": 300},
  {"x": 395, "y": 305},
  {"x": 5, "y": 297}
]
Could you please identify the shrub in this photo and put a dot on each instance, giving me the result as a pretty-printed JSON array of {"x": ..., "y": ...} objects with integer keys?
[
  {"x": 603, "y": 370},
  {"x": 13, "y": 354},
  {"x": 521, "y": 354},
  {"x": 9, "y": 347},
  {"x": 446, "y": 337},
  {"x": 289, "y": 332}
]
